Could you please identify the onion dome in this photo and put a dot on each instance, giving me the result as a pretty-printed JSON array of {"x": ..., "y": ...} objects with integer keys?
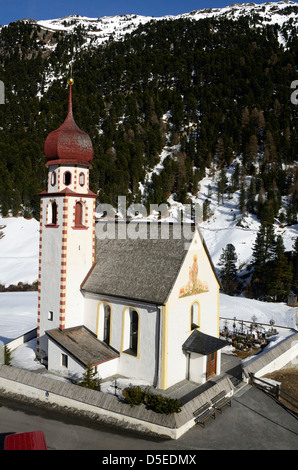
[{"x": 68, "y": 143}]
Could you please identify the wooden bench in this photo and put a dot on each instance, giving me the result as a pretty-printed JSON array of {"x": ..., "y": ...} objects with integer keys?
[
  {"x": 220, "y": 400},
  {"x": 203, "y": 413}
]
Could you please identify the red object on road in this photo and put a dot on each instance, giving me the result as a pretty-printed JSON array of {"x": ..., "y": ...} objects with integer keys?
[{"x": 33, "y": 440}]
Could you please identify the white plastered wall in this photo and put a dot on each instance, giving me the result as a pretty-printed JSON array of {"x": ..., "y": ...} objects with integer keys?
[
  {"x": 179, "y": 305},
  {"x": 144, "y": 365},
  {"x": 79, "y": 262},
  {"x": 74, "y": 368},
  {"x": 50, "y": 273}
]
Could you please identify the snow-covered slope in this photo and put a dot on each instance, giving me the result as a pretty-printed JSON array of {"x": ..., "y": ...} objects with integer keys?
[
  {"x": 98, "y": 31},
  {"x": 18, "y": 250}
]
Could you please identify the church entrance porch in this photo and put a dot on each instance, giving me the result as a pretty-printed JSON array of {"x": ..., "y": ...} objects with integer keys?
[{"x": 203, "y": 356}]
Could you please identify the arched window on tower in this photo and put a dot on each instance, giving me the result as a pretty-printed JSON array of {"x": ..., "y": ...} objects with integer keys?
[
  {"x": 67, "y": 178},
  {"x": 54, "y": 213},
  {"x": 81, "y": 179},
  {"x": 79, "y": 214},
  {"x": 53, "y": 178}
]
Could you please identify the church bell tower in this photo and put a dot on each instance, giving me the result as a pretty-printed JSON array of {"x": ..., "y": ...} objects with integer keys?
[{"x": 67, "y": 229}]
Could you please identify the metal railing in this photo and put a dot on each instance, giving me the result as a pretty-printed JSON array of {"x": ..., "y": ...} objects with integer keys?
[{"x": 275, "y": 390}]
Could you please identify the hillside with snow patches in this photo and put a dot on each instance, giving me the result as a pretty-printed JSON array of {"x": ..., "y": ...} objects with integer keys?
[{"x": 99, "y": 31}]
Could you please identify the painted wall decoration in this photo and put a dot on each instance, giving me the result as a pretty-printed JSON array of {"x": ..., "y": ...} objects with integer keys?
[{"x": 194, "y": 285}]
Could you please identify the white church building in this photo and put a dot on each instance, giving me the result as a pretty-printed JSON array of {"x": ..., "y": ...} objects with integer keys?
[{"x": 144, "y": 308}]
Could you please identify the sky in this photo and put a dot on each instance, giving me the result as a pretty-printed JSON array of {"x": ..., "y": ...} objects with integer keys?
[{"x": 12, "y": 10}]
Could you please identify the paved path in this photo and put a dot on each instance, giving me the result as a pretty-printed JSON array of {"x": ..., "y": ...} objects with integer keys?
[{"x": 254, "y": 422}]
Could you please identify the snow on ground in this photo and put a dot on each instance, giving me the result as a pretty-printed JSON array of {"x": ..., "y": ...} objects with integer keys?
[
  {"x": 264, "y": 312},
  {"x": 25, "y": 358},
  {"x": 18, "y": 314},
  {"x": 18, "y": 250}
]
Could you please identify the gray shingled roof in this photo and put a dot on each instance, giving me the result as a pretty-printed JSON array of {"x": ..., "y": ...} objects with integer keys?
[
  {"x": 83, "y": 345},
  {"x": 140, "y": 269},
  {"x": 202, "y": 343}
]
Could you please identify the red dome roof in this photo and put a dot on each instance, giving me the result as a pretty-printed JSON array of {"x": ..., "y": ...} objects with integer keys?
[{"x": 68, "y": 143}]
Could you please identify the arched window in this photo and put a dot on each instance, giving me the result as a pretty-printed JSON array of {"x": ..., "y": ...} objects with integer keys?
[
  {"x": 53, "y": 178},
  {"x": 195, "y": 316},
  {"x": 79, "y": 214},
  {"x": 131, "y": 331},
  {"x": 54, "y": 213},
  {"x": 134, "y": 330},
  {"x": 81, "y": 179},
  {"x": 104, "y": 322},
  {"x": 67, "y": 178},
  {"x": 107, "y": 323}
]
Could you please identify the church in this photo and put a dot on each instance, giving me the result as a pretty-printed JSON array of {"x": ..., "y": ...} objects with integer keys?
[{"x": 145, "y": 308}]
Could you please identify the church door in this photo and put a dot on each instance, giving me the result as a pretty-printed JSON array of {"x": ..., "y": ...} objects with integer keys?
[{"x": 211, "y": 364}]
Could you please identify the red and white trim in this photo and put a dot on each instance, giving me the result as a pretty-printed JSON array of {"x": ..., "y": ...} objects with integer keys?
[
  {"x": 39, "y": 276},
  {"x": 63, "y": 265}
]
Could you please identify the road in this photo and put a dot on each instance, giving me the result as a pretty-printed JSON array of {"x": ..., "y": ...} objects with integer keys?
[{"x": 254, "y": 422}]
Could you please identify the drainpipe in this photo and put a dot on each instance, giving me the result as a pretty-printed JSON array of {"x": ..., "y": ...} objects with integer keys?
[
  {"x": 188, "y": 365},
  {"x": 158, "y": 340}
]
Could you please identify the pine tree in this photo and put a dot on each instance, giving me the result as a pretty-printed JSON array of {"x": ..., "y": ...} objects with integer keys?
[
  {"x": 90, "y": 379},
  {"x": 221, "y": 185},
  {"x": 242, "y": 205},
  {"x": 250, "y": 153},
  {"x": 236, "y": 177},
  {"x": 263, "y": 249},
  {"x": 228, "y": 273},
  {"x": 280, "y": 278},
  {"x": 206, "y": 209},
  {"x": 251, "y": 196},
  {"x": 7, "y": 355},
  {"x": 262, "y": 252}
]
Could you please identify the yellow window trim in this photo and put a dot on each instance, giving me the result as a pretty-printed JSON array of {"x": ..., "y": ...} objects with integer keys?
[
  {"x": 123, "y": 332},
  {"x": 98, "y": 318},
  {"x": 199, "y": 315}
]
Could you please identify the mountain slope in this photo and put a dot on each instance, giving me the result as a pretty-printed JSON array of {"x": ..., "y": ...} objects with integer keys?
[
  {"x": 98, "y": 31},
  {"x": 201, "y": 84}
]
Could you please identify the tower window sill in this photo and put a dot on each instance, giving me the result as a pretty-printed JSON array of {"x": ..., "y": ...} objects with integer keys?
[
  {"x": 51, "y": 226},
  {"x": 80, "y": 227}
]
